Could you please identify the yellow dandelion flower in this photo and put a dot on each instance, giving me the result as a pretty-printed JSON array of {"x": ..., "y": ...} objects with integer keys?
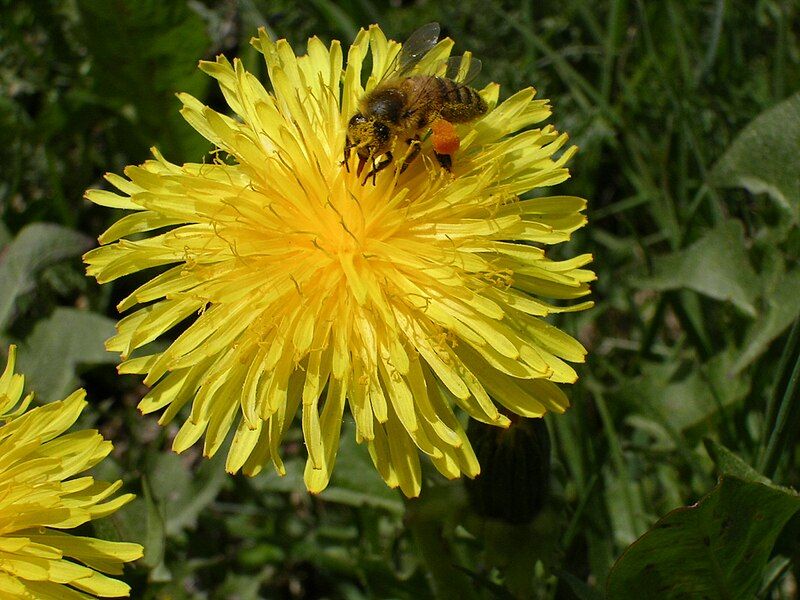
[
  {"x": 306, "y": 289},
  {"x": 40, "y": 496}
]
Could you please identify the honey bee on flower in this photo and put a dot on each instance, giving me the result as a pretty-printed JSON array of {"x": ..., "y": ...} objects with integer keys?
[
  {"x": 302, "y": 292},
  {"x": 407, "y": 103}
]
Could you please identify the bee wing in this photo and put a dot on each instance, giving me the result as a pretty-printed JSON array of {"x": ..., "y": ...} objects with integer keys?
[
  {"x": 462, "y": 69},
  {"x": 413, "y": 50},
  {"x": 417, "y": 46}
]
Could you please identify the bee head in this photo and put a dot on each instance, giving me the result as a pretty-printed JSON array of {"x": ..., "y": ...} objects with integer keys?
[{"x": 368, "y": 136}]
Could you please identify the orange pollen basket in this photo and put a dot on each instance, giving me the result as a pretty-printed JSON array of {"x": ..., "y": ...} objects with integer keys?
[{"x": 445, "y": 139}]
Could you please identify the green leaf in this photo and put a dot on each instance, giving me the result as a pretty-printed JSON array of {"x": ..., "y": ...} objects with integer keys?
[
  {"x": 781, "y": 311},
  {"x": 715, "y": 549},
  {"x": 35, "y": 247},
  {"x": 50, "y": 355},
  {"x": 685, "y": 403},
  {"x": 730, "y": 464},
  {"x": 184, "y": 491},
  {"x": 270, "y": 481},
  {"x": 763, "y": 157},
  {"x": 120, "y": 526},
  {"x": 716, "y": 266},
  {"x": 155, "y": 528},
  {"x": 142, "y": 522}
]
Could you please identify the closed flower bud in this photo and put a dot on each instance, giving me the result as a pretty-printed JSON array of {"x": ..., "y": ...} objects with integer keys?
[{"x": 515, "y": 469}]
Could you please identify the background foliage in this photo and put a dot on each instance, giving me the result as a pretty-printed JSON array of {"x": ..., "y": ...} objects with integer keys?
[{"x": 688, "y": 119}]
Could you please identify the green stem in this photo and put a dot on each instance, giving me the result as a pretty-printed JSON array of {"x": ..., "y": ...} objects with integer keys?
[
  {"x": 781, "y": 416},
  {"x": 772, "y": 406}
]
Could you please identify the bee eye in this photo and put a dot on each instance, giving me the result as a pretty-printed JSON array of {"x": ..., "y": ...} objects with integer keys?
[
  {"x": 358, "y": 119},
  {"x": 381, "y": 131}
]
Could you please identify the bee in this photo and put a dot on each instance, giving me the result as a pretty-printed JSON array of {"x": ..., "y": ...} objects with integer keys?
[{"x": 406, "y": 103}]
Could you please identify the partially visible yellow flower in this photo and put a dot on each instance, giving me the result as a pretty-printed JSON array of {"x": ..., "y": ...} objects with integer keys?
[
  {"x": 305, "y": 290},
  {"x": 41, "y": 496}
]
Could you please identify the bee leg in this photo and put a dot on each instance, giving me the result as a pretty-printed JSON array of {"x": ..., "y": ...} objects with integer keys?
[
  {"x": 361, "y": 163},
  {"x": 379, "y": 166},
  {"x": 346, "y": 161},
  {"x": 414, "y": 147},
  {"x": 445, "y": 160},
  {"x": 384, "y": 163}
]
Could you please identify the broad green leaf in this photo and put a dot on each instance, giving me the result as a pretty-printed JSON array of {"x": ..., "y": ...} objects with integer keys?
[
  {"x": 35, "y": 247},
  {"x": 763, "y": 157},
  {"x": 715, "y": 549},
  {"x": 625, "y": 502},
  {"x": 269, "y": 480},
  {"x": 684, "y": 402},
  {"x": 141, "y": 521},
  {"x": 346, "y": 491},
  {"x": 716, "y": 266},
  {"x": 50, "y": 355},
  {"x": 155, "y": 521},
  {"x": 183, "y": 490},
  {"x": 120, "y": 526},
  {"x": 730, "y": 464},
  {"x": 782, "y": 310}
]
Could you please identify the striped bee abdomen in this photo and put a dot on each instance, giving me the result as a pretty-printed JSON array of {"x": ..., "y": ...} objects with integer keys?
[{"x": 460, "y": 103}]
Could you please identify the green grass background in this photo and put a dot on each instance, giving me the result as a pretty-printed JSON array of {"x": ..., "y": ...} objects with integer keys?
[{"x": 693, "y": 226}]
